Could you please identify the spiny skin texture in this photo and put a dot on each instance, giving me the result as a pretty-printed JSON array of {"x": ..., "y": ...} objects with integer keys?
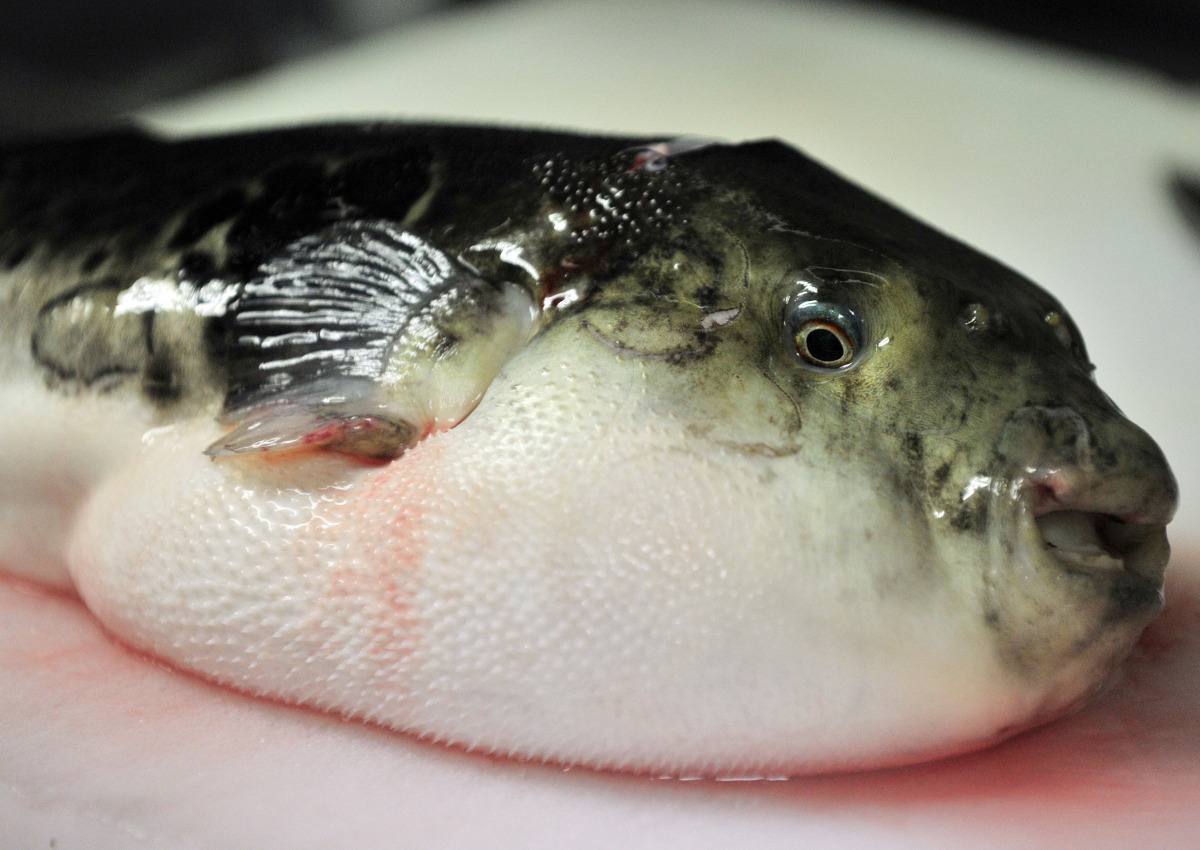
[{"x": 527, "y": 455}]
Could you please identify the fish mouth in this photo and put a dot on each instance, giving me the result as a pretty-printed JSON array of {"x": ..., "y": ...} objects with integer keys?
[
  {"x": 1086, "y": 533},
  {"x": 1078, "y": 545}
]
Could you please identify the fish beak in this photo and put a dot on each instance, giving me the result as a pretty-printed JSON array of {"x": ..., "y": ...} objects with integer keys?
[
  {"x": 1094, "y": 505},
  {"x": 1085, "y": 535}
]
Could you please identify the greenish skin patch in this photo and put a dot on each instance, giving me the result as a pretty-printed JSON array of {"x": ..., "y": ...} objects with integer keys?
[{"x": 685, "y": 271}]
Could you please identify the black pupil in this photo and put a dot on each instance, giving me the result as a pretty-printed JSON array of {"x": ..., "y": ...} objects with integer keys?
[{"x": 824, "y": 345}]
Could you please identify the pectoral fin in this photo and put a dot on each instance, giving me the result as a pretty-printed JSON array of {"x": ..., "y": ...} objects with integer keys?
[
  {"x": 336, "y": 415},
  {"x": 362, "y": 339}
]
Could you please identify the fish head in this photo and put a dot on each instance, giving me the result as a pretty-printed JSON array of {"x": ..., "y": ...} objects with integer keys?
[{"x": 946, "y": 521}]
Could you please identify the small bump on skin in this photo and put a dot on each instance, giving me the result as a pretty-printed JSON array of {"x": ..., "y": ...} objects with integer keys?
[{"x": 1061, "y": 332}]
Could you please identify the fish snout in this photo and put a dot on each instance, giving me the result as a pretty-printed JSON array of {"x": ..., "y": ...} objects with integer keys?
[
  {"x": 1079, "y": 500},
  {"x": 1098, "y": 492}
]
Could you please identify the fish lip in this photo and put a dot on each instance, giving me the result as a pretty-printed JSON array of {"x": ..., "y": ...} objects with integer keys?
[
  {"x": 1082, "y": 515},
  {"x": 1088, "y": 532}
]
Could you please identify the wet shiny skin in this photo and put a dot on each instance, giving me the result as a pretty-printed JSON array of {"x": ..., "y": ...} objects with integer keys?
[
  {"x": 666, "y": 541},
  {"x": 470, "y": 593}
]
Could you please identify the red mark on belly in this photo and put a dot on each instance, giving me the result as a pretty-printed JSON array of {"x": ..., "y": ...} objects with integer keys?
[{"x": 381, "y": 531}]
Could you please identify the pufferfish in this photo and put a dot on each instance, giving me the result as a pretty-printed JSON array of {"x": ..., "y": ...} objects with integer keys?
[{"x": 673, "y": 457}]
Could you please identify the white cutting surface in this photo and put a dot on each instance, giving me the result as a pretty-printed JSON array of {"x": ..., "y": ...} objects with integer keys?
[{"x": 1054, "y": 164}]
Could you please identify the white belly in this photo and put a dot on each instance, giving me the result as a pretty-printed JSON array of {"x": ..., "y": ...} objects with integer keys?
[{"x": 567, "y": 575}]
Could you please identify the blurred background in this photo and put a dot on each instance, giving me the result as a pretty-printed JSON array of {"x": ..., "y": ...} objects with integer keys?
[{"x": 73, "y": 63}]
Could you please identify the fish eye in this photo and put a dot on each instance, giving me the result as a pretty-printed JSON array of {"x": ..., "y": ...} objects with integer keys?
[{"x": 827, "y": 337}]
